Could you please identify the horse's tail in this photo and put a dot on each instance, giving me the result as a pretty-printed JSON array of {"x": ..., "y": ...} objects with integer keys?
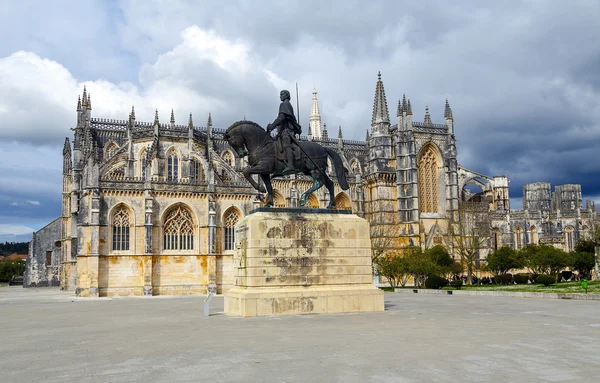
[{"x": 340, "y": 170}]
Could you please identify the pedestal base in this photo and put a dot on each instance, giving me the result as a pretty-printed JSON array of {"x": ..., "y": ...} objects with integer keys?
[
  {"x": 298, "y": 262},
  {"x": 311, "y": 300}
]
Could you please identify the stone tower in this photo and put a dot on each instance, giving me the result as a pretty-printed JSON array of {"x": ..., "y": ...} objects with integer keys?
[{"x": 314, "y": 122}]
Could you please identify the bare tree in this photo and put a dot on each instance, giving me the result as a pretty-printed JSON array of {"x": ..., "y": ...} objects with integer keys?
[{"x": 470, "y": 231}]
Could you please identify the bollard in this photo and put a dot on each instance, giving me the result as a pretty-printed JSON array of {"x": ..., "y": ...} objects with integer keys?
[
  {"x": 212, "y": 289},
  {"x": 584, "y": 284}
]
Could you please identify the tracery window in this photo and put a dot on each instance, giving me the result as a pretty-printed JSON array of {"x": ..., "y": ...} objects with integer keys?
[
  {"x": 120, "y": 230},
  {"x": 496, "y": 239},
  {"x": 428, "y": 181},
  {"x": 518, "y": 238},
  {"x": 178, "y": 230},
  {"x": 228, "y": 158},
  {"x": 569, "y": 238},
  {"x": 195, "y": 170},
  {"x": 111, "y": 149},
  {"x": 355, "y": 167},
  {"x": 172, "y": 167},
  {"x": 230, "y": 220},
  {"x": 534, "y": 235}
]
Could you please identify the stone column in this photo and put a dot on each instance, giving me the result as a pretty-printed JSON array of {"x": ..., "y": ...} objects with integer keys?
[
  {"x": 212, "y": 226},
  {"x": 597, "y": 264}
]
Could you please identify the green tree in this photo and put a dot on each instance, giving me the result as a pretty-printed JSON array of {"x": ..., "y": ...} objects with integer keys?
[
  {"x": 503, "y": 260},
  {"x": 395, "y": 269},
  {"x": 10, "y": 268},
  {"x": 545, "y": 259},
  {"x": 583, "y": 262}
]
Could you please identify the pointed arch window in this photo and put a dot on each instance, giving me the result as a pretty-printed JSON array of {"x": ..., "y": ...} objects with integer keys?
[
  {"x": 195, "y": 170},
  {"x": 569, "y": 238},
  {"x": 428, "y": 181},
  {"x": 172, "y": 167},
  {"x": 228, "y": 158},
  {"x": 178, "y": 230},
  {"x": 120, "y": 230},
  {"x": 111, "y": 150},
  {"x": 518, "y": 238},
  {"x": 231, "y": 219}
]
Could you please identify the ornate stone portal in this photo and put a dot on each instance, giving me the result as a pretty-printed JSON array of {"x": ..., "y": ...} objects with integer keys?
[{"x": 302, "y": 261}]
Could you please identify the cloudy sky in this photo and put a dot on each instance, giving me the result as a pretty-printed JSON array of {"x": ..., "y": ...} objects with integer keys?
[{"x": 523, "y": 80}]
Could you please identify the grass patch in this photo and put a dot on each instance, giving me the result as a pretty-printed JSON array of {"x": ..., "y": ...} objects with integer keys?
[{"x": 557, "y": 288}]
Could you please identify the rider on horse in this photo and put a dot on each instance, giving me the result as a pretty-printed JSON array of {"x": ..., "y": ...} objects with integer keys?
[{"x": 288, "y": 127}]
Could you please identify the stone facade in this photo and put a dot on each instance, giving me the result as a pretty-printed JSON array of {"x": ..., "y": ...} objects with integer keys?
[
  {"x": 44, "y": 258},
  {"x": 150, "y": 208}
]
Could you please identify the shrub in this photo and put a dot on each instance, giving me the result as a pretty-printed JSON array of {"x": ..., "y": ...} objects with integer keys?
[
  {"x": 435, "y": 282},
  {"x": 504, "y": 279},
  {"x": 545, "y": 280},
  {"x": 522, "y": 278},
  {"x": 457, "y": 284}
]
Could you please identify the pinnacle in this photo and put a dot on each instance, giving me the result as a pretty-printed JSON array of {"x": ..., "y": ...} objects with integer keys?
[
  {"x": 380, "y": 108},
  {"x": 78, "y": 103},
  {"x": 172, "y": 117},
  {"x": 340, "y": 132},
  {"x": 408, "y": 108},
  {"x": 190, "y": 122},
  {"x": 209, "y": 119},
  {"x": 448, "y": 111},
  {"x": 156, "y": 117},
  {"x": 89, "y": 101},
  {"x": 427, "y": 116},
  {"x": 84, "y": 101},
  {"x": 132, "y": 112}
]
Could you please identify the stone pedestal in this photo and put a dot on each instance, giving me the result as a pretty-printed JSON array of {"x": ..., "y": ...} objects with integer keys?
[{"x": 302, "y": 261}]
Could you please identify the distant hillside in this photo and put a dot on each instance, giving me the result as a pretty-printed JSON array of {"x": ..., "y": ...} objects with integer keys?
[{"x": 8, "y": 248}]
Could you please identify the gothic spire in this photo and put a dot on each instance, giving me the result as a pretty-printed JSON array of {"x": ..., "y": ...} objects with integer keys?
[
  {"x": 427, "y": 116},
  {"x": 325, "y": 135},
  {"x": 132, "y": 116},
  {"x": 78, "y": 103},
  {"x": 156, "y": 122},
  {"x": 67, "y": 147},
  {"x": 448, "y": 111},
  {"x": 340, "y": 132},
  {"x": 408, "y": 108},
  {"x": 404, "y": 104},
  {"x": 89, "y": 101},
  {"x": 380, "y": 108},
  {"x": 190, "y": 122},
  {"x": 314, "y": 121},
  {"x": 368, "y": 136},
  {"x": 399, "y": 110},
  {"x": 172, "y": 117},
  {"x": 84, "y": 101}
]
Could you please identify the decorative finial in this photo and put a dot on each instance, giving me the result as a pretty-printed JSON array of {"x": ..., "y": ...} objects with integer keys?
[
  {"x": 448, "y": 111},
  {"x": 380, "y": 108},
  {"x": 209, "y": 120},
  {"x": 84, "y": 98},
  {"x": 191, "y": 122},
  {"x": 427, "y": 116},
  {"x": 89, "y": 101},
  {"x": 172, "y": 117},
  {"x": 325, "y": 135},
  {"x": 408, "y": 108},
  {"x": 340, "y": 132},
  {"x": 132, "y": 112},
  {"x": 156, "y": 117},
  {"x": 379, "y": 75},
  {"x": 368, "y": 136},
  {"x": 78, "y": 103}
]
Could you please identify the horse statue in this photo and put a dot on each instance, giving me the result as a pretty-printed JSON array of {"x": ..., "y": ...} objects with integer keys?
[{"x": 248, "y": 138}]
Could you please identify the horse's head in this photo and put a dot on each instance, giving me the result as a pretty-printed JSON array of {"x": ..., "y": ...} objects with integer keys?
[{"x": 236, "y": 140}]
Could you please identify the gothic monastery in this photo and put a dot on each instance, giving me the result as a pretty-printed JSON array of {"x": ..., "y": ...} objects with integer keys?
[{"x": 149, "y": 208}]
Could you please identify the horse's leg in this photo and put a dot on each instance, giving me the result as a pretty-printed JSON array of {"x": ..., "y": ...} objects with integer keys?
[
  {"x": 331, "y": 188},
  {"x": 316, "y": 186},
  {"x": 247, "y": 172},
  {"x": 267, "y": 181}
]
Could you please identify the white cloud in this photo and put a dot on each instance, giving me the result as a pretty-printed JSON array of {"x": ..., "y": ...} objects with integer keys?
[
  {"x": 7, "y": 229},
  {"x": 32, "y": 202}
]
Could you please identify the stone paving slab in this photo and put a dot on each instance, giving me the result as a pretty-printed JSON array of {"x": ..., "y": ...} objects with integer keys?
[
  {"x": 51, "y": 336},
  {"x": 518, "y": 294}
]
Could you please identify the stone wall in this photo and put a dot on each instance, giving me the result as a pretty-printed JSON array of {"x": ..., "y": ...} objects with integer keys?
[{"x": 43, "y": 262}]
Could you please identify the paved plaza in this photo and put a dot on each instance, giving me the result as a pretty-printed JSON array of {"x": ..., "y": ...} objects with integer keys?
[{"x": 51, "y": 336}]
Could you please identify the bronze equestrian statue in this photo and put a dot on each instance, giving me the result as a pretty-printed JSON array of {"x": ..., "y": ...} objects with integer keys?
[{"x": 270, "y": 159}]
